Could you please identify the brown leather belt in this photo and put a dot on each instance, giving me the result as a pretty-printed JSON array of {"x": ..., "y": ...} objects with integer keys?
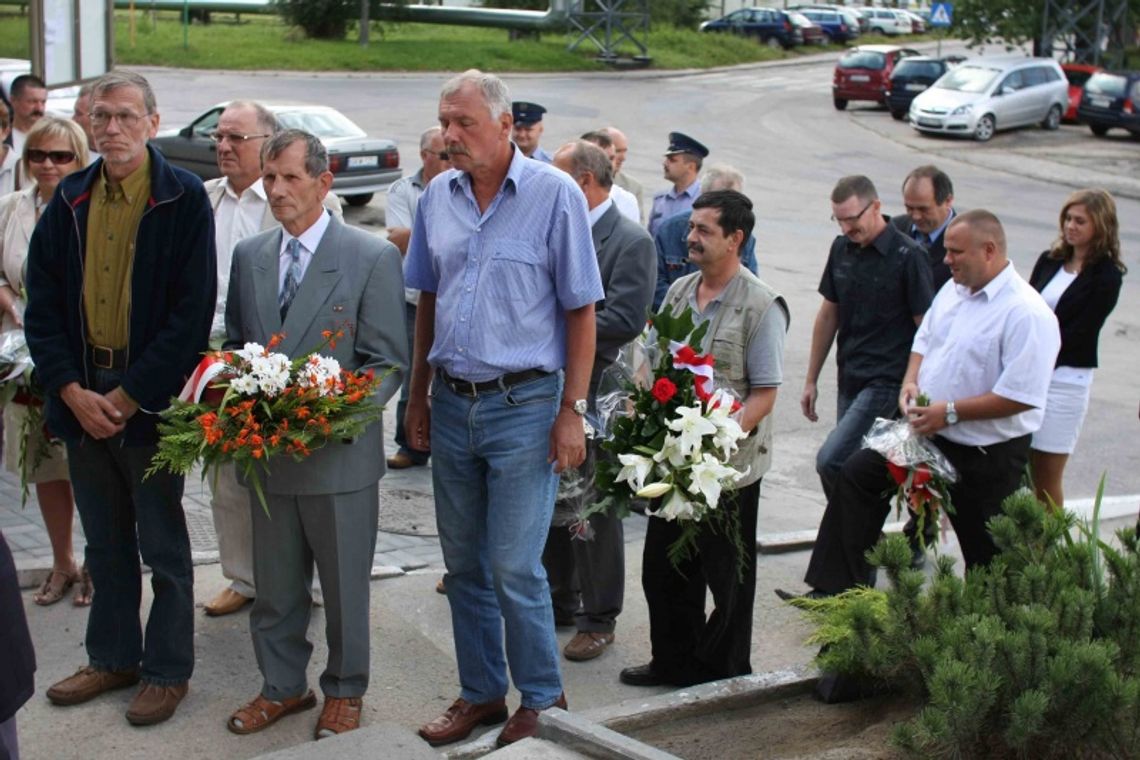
[{"x": 108, "y": 358}]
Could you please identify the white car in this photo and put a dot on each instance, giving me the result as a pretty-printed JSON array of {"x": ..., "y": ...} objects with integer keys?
[
  {"x": 60, "y": 101},
  {"x": 886, "y": 21},
  {"x": 984, "y": 95}
]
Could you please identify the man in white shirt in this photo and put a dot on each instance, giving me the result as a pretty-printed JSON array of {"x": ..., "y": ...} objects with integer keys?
[
  {"x": 984, "y": 355},
  {"x": 626, "y": 202},
  {"x": 29, "y": 99},
  {"x": 403, "y": 196},
  {"x": 241, "y": 210},
  {"x": 621, "y": 179}
]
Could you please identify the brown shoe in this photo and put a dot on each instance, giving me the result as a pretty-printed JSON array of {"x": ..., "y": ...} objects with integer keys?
[
  {"x": 461, "y": 719},
  {"x": 226, "y": 603},
  {"x": 586, "y": 645},
  {"x": 524, "y": 723},
  {"x": 154, "y": 703},
  {"x": 263, "y": 713},
  {"x": 88, "y": 683},
  {"x": 340, "y": 714},
  {"x": 401, "y": 461}
]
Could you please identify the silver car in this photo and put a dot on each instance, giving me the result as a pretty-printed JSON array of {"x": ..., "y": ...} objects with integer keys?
[{"x": 983, "y": 95}]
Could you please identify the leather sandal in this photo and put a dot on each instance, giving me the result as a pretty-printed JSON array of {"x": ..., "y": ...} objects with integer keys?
[
  {"x": 84, "y": 589},
  {"x": 54, "y": 587},
  {"x": 262, "y": 713},
  {"x": 340, "y": 714}
]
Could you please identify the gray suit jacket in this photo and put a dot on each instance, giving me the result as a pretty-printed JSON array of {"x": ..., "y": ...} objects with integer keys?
[
  {"x": 354, "y": 281},
  {"x": 627, "y": 259}
]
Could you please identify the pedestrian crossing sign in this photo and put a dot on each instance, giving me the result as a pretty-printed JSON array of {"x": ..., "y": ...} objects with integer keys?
[{"x": 941, "y": 14}]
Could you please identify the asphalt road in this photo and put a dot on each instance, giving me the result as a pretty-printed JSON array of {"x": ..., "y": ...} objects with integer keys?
[{"x": 778, "y": 126}]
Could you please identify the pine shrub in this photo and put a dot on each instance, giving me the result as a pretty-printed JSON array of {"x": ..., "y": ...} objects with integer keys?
[{"x": 1035, "y": 656}]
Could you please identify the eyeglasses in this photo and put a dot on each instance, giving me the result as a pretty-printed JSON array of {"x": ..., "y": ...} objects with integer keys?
[
  {"x": 443, "y": 155},
  {"x": 852, "y": 219},
  {"x": 126, "y": 119},
  {"x": 233, "y": 137},
  {"x": 36, "y": 156}
]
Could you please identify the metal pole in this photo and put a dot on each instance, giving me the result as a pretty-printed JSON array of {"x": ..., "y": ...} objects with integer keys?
[
  {"x": 363, "y": 23},
  {"x": 185, "y": 24}
]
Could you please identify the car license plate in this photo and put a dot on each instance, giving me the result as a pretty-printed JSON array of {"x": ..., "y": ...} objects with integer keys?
[
  {"x": 915, "y": 87},
  {"x": 1101, "y": 102},
  {"x": 929, "y": 122},
  {"x": 860, "y": 78},
  {"x": 360, "y": 162}
]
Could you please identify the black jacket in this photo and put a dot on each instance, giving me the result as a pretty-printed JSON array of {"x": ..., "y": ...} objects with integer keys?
[
  {"x": 1083, "y": 307},
  {"x": 18, "y": 661}
]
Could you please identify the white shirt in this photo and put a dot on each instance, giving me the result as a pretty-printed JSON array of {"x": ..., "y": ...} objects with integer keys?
[
  {"x": 310, "y": 239},
  {"x": 235, "y": 218},
  {"x": 598, "y": 211},
  {"x": 1052, "y": 294},
  {"x": 18, "y": 138},
  {"x": 626, "y": 203},
  {"x": 1001, "y": 339},
  {"x": 8, "y": 172}
]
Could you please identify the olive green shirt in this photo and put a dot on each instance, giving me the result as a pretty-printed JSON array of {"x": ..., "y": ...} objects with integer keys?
[{"x": 112, "y": 224}]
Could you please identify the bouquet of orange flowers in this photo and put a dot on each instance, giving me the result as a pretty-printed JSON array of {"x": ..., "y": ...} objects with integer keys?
[{"x": 250, "y": 405}]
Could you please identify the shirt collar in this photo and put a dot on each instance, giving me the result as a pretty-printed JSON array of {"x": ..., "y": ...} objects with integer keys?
[
  {"x": 882, "y": 243},
  {"x": 257, "y": 188},
  {"x": 993, "y": 287},
  {"x": 597, "y": 212},
  {"x": 310, "y": 238},
  {"x": 417, "y": 179},
  {"x": 462, "y": 179},
  {"x": 692, "y": 190},
  {"x": 938, "y": 232},
  {"x": 131, "y": 185}
]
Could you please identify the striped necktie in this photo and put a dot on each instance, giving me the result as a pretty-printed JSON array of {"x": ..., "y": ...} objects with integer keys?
[{"x": 292, "y": 277}]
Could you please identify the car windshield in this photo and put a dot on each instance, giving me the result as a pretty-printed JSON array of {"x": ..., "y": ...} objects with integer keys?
[
  {"x": 968, "y": 79},
  {"x": 863, "y": 59},
  {"x": 1106, "y": 84},
  {"x": 906, "y": 68},
  {"x": 325, "y": 124}
]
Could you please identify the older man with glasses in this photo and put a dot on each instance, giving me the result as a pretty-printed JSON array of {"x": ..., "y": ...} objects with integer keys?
[{"x": 876, "y": 287}]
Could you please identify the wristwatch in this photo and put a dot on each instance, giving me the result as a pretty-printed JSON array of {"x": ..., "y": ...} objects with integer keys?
[
  {"x": 951, "y": 414},
  {"x": 578, "y": 407}
]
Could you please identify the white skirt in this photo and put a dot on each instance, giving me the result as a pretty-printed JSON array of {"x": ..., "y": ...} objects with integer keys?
[{"x": 1065, "y": 410}]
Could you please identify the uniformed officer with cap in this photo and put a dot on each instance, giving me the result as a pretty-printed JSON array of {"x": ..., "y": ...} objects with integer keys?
[
  {"x": 528, "y": 130},
  {"x": 682, "y": 166}
]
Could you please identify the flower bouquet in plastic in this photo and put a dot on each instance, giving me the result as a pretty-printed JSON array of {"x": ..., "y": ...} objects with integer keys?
[{"x": 18, "y": 385}]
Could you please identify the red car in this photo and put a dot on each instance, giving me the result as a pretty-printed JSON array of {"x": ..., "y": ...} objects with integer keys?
[
  {"x": 1077, "y": 74},
  {"x": 864, "y": 73},
  {"x": 813, "y": 33}
]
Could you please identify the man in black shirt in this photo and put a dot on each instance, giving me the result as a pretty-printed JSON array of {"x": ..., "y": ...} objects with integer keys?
[{"x": 876, "y": 287}]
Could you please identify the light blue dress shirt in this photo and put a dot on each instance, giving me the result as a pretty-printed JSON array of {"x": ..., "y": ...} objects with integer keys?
[
  {"x": 669, "y": 203},
  {"x": 503, "y": 278}
]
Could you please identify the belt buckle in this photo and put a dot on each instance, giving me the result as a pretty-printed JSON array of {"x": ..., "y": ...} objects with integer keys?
[
  {"x": 97, "y": 351},
  {"x": 474, "y": 388}
]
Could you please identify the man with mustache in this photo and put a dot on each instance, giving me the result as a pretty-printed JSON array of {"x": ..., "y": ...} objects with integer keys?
[{"x": 29, "y": 98}]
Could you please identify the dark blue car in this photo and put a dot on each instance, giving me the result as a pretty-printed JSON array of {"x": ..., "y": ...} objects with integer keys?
[
  {"x": 912, "y": 76},
  {"x": 769, "y": 26},
  {"x": 835, "y": 27}
]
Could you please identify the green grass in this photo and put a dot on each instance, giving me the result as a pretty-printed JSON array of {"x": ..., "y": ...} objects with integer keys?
[{"x": 264, "y": 42}]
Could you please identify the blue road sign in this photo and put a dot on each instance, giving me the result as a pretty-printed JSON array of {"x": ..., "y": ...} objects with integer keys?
[{"x": 941, "y": 14}]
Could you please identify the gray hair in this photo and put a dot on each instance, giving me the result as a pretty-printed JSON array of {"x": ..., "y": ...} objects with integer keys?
[
  {"x": 856, "y": 186},
  {"x": 598, "y": 137},
  {"x": 114, "y": 80},
  {"x": 722, "y": 177},
  {"x": 496, "y": 96},
  {"x": 428, "y": 134},
  {"x": 587, "y": 157},
  {"x": 316, "y": 155},
  {"x": 85, "y": 90},
  {"x": 265, "y": 119}
]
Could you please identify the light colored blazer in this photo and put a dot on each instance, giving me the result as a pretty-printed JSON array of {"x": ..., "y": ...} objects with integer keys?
[
  {"x": 17, "y": 222},
  {"x": 354, "y": 281}
]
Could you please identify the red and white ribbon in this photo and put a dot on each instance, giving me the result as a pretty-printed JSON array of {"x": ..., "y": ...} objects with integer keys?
[{"x": 209, "y": 368}]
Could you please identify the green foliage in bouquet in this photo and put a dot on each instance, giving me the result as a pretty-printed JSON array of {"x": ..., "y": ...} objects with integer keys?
[{"x": 1035, "y": 656}]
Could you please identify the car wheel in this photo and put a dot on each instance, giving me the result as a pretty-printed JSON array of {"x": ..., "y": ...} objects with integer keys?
[
  {"x": 840, "y": 103},
  {"x": 1098, "y": 129},
  {"x": 1052, "y": 119},
  {"x": 897, "y": 115},
  {"x": 358, "y": 200},
  {"x": 877, "y": 30},
  {"x": 774, "y": 43},
  {"x": 985, "y": 128},
  {"x": 827, "y": 39}
]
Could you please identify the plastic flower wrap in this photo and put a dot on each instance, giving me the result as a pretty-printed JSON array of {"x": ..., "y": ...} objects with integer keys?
[
  {"x": 250, "y": 405},
  {"x": 18, "y": 385},
  {"x": 669, "y": 432},
  {"x": 922, "y": 474}
]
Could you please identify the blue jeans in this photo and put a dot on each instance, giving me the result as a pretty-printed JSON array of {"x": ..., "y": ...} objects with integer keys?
[
  {"x": 417, "y": 456},
  {"x": 494, "y": 497},
  {"x": 124, "y": 516},
  {"x": 855, "y": 414}
]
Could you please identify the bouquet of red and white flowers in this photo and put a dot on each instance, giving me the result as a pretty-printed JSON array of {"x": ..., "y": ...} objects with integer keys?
[
  {"x": 250, "y": 405},
  {"x": 922, "y": 474},
  {"x": 671, "y": 433}
]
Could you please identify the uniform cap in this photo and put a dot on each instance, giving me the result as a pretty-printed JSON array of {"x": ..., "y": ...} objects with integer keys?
[
  {"x": 682, "y": 143},
  {"x": 526, "y": 113}
]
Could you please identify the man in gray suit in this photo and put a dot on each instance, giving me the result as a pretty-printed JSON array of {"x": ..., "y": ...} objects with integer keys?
[
  {"x": 241, "y": 210},
  {"x": 587, "y": 577},
  {"x": 316, "y": 274}
]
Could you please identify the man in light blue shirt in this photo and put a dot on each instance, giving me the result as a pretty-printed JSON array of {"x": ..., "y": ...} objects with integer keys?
[
  {"x": 502, "y": 254},
  {"x": 682, "y": 165}
]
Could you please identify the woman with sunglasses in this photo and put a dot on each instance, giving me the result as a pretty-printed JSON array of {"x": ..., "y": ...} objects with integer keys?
[
  {"x": 1080, "y": 278},
  {"x": 53, "y": 149}
]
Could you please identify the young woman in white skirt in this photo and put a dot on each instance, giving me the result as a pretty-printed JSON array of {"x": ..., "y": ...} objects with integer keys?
[{"x": 1079, "y": 277}]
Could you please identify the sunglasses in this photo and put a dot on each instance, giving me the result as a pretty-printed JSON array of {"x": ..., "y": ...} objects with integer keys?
[{"x": 37, "y": 156}]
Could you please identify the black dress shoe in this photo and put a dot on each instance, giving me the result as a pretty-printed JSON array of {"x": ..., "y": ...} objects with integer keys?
[
  {"x": 640, "y": 675},
  {"x": 815, "y": 593}
]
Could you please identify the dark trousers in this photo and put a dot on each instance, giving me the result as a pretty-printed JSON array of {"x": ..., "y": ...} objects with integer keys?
[
  {"x": 123, "y": 516},
  {"x": 688, "y": 647},
  {"x": 420, "y": 457},
  {"x": 854, "y": 518}
]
